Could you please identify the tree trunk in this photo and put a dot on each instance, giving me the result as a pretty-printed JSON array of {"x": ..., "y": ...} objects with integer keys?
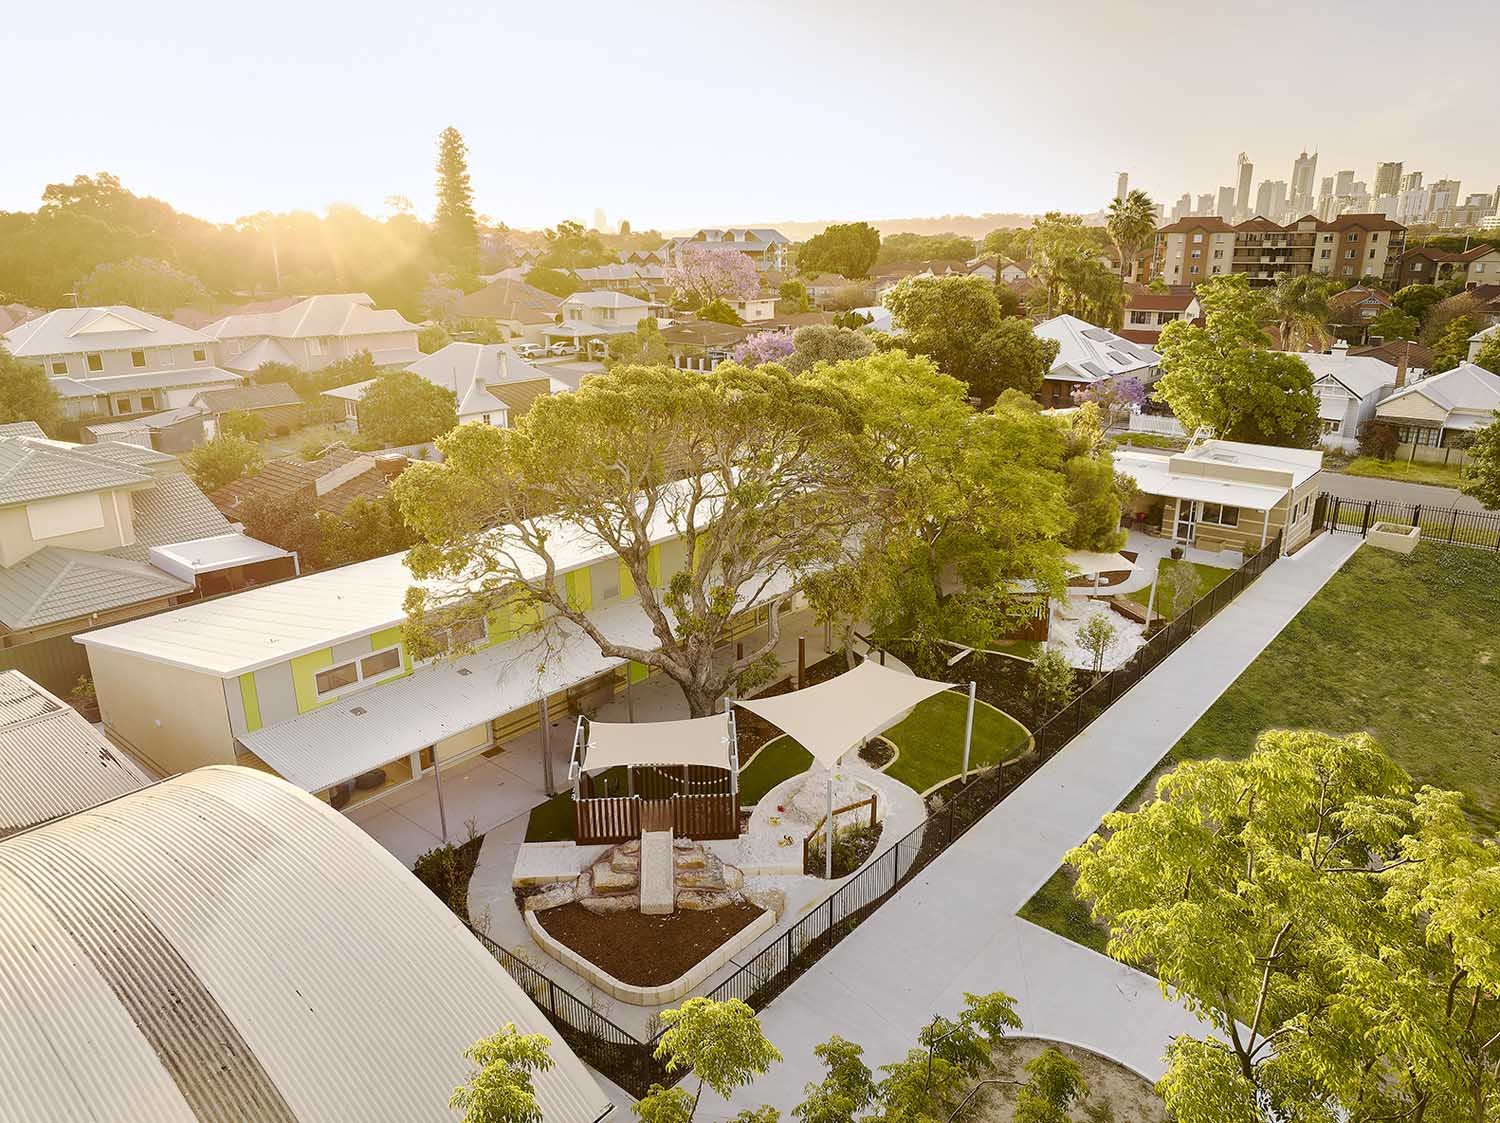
[{"x": 700, "y": 699}]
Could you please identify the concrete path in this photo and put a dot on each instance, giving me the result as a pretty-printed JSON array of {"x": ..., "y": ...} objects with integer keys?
[
  {"x": 954, "y": 928},
  {"x": 1398, "y": 491}
]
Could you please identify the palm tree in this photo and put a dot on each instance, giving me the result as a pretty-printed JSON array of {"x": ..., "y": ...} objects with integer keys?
[
  {"x": 1297, "y": 307},
  {"x": 1132, "y": 227}
]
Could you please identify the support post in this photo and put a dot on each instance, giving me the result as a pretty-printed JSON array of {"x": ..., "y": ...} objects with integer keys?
[
  {"x": 629, "y": 693},
  {"x": 734, "y": 761},
  {"x": 1265, "y": 525},
  {"x": 437, "y": 780},
  {"x": 548, "y": 786},
  {"x": 1150, "y": 601},
  {"x": 801, "y": 662},
  {"x": 969, "y": 731},
  {"x": 828, "y": 846}
]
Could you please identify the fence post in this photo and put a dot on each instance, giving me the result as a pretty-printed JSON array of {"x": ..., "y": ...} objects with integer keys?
[
  {"x": 1334, "y": 522},
  {"x": 1365, "y": 526},
  {"x": 1452, "y": 525}
]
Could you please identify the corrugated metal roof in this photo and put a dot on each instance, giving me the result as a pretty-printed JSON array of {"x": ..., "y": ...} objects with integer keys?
[
  {"x": 52, "y": 761},
  {"x": 224, "y": 947}
]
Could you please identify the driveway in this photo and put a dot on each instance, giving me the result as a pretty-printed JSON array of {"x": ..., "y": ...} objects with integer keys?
[
  {"x": 1367, "y": 487},
  {"x": 955, "y": 929}
]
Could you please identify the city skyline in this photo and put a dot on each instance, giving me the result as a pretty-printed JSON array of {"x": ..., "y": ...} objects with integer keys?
[{"x": 313, "y": 125}]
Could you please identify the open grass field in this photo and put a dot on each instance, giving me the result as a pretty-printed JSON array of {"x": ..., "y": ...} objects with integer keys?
[
  {"x": 1407, "y": 649},
  {"x": 931, "y": 740},
  {"x": 1412, "y": 472},
  {"x": 1208, "y": 577}
]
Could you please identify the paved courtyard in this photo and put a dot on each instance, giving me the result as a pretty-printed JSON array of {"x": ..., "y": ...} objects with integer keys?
[{"x": 955, "y": 929}]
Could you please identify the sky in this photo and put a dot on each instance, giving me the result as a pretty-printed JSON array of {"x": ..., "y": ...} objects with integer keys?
[{"x": 680, "y": 114}]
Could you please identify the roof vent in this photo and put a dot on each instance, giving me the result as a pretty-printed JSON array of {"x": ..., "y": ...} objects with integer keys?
[
  {"x": 359, "y": 711},
  {"x": 465, "y": 671}
]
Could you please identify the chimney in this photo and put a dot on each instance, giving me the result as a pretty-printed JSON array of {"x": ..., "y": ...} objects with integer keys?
[
  {"x": 1401, "y": 365},
  {"x": 1340, "y": 349}
]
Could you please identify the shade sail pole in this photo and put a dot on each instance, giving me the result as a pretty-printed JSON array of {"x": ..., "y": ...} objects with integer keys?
[
  {"x": 969, "y": 731},
  {"x": 437, "y": 779},
  {"x": 828, "y": 847}
]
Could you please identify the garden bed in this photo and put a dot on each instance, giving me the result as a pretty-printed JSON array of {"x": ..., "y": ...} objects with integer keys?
[
  {"x": 446, "y": 870},
  {"x": 646, "y": 950},
  {"x": 877, "y": 753},
  {"x": 1115, "y": 1092},
  {"x": 851, "y": 849}
]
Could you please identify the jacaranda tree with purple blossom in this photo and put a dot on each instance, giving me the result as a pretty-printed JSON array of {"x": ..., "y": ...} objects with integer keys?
[
  {"x": 704, "y": 275},
  {"x": 1120, "y": 392},
  {"x": 764, "y": 347}
]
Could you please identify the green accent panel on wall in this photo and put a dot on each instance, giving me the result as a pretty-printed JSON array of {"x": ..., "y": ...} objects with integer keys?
[
  {"x": 251, "y": 700},
  {"x": 580, "y": 589},
  {"x": 388, "y": 637},
  {"x": 304, "y": 682}
]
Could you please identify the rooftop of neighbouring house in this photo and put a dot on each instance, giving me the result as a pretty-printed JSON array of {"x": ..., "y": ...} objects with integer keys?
[
  {"x": 1087, "y": 353},
  {"x": 1362, "y": 375},
  {"x": 114, "y": 327},
  {"x": 327, "y": 314},
  {"x": 1467, "y": 388},
  {"x": 345, "y": 474}
]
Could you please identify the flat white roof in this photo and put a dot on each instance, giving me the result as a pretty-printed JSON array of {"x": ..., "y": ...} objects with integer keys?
[
  {"x": 185, "y": 560},
  {"x": 1153, "y": 475},
  {"x": 272, "y": 623},
  {"x": 1302, "y": 463},
  {"x": 221, "y": 946}
]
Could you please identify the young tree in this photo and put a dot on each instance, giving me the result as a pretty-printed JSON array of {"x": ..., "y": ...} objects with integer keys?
[
  {"x": 455, "y": 229},
  {"x": 1489, "y": 354},
  {"x": 141, "y": 282},
  {"x": 1132, "y": 226},
  {"x": 1335, "y": 930},
  {"x": 1049, "y": 684},
  {"x": 1451, "y": 347},
  {"x": 1223, "y": 375},
  {"x": 1395, "y": 324},
  {"x": 26, "y": 394},
  {"x": 754, "y": 470},
  {"x": 848, "y": 249},
  {"x": 402, "y": 408},
  {"x": 645, "y": 346},
  {"x": 1054, "y": 1085},
  {"x": 1482, "y": 474},
  {"x": 931, "y": 1082},
  {"x": 957, "y": 322},
  {"x": 1177, "y": 587},
  {"x": 221, "y": 461},
  {"x": 244, "y": 423},
  {"x": 721, "y": 1042},
  {"x": 763, "y": 347},
  {"x": 1096, "y": 493},
  {"x": 825, "y": 343},
  {"x": 701, "y": 275},
  {"x": 1097, "y": 637},
  {"x": 501, "y": 1089}
]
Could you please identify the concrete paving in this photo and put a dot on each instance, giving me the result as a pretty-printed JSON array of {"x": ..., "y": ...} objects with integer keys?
[
  {"x": 955, "y": 929},
  {"x": 1399, "y": 491}
]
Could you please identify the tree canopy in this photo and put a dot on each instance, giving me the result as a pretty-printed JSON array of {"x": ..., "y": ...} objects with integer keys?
[
  {"x": 848, "y": 248},
  {"x": 700, "y": 275},
  {"x": 403, "y": 408},
  {"x": 1132, "y": 226},
  {"x": 1071, "y": 279},
  {"x": 569, "y": 246},
  {"x": 1481, "y": 477},
  {"x": 824, "y": 343},
  {"x": 222, "y": 460},
  {"x": 26, "y": 394},
  {"x": 141, "y": 282},
  {"x": 958, "y": 323},
  {"x": 901, "y": 249},
  {"x": 1297, "y": 307},
  {"x": 501, "y": 1087},
  {"x": 1393, "y": 323},
  {"x": 1223, "y": 375},
  {"x": 1338, "y": 930},
  {"x": 455, "y": 229}
]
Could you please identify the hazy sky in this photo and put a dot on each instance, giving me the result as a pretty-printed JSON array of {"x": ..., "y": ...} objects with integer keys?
[{"x": 678, "y": 114}]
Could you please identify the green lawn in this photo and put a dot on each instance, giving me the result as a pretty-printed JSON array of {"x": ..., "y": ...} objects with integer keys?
[
  {"x": 931, "y": 740},
  {"x": 1055, "y": 908},
  {"x": 1208, "y": 577},
  {"x": 1414, "y": 472},
  {"x": 1407, "y": 649},
  {"x": 777, "y": 760},
  {"x": 1027, "y": 649}
]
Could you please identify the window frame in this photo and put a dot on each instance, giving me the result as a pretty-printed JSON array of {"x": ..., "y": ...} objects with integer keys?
[
  {"x": 1203, "y": 509},
  {"x": 138, "y": 358},
  {"x": 360, "y": 678},
  {"x": 93, "y": 361}
]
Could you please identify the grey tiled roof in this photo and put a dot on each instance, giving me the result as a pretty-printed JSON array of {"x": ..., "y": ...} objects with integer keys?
[
  {"x": 254, "y": 396},
  {"x": 173, "y": 511},
  {"x": 59, "y": 584},
  {"x": 122, "y": 452},
  {"x": 31, "y": 469},
  {"x": 22, "y": 429}
]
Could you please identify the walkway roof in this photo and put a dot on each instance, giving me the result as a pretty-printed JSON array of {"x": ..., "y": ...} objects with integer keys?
[
  {"x": 699, "y": 740},
  {"x": 222, "y": 946},
  {"x": 841, "y": 714}
]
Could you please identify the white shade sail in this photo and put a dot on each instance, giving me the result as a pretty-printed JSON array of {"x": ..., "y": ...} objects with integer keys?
[
  {"x": 841, "y": 714},
  {"x": 1089, "y": 563},
  {"x": 699, "y": 740}
]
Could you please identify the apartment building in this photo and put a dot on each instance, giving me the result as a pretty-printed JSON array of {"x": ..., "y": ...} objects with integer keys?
[
  {"x": 1428, "y": 265},
  {"x": 1348, "y": 247}
]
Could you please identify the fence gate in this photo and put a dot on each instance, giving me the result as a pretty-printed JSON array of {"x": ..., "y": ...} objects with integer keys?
[{"x": 1447, "y": 525}]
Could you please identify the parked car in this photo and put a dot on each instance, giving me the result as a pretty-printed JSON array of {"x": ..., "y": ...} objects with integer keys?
[
  {"x": 530, "y": 350},
  {"x": 563, "y": 347}
]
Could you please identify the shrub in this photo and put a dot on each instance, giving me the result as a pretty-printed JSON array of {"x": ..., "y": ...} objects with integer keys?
[{"x": 1378, "y": 439}]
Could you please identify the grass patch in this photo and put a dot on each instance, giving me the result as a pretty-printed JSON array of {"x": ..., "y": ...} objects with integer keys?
[
  {"x": 778, "y": 760},
  {"x": 1412, "y": 472},
  {"x": 1027, "y": 649},
  {"x": 931, "y": 740},
  {"x": 1208, "y": 577},
  {"x": 1055, "y": 908},
  {"x": 1153, "y": 440}
]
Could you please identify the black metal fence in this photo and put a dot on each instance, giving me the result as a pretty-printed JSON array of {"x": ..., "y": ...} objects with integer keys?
[
  {"x": 1448, "y": 525},
  {"x": 627, "y": 1060}
]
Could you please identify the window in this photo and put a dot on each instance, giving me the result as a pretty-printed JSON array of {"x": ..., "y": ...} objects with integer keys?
[
  {"x": 1325, "y": 254},
  {"x": 367, "y": 668},
  {"x": 1417, "y": 266},
  {"x": 148, "y": 401},
  {"x": 1197, "y": 238},
  {"x": 1218, "y": 254},
  {"x": 1193, "y": 270},
  {"x": 461, "y": 634},
  {"x": 575, "y": 313},
  {"x": 1168, "y": 317},
  {"x": 59, "y": 366},
  {"x": 1419, "y": 435},
  {"x": 235, "y": 346},
  {"x": 122, "y": 405},
  {"x": 314, "y": 346},
  {"x": 200, "y": 355},
  {"x": 95, "y": 361},
  {"x": 1375, "y": 237},
  {"x": 1219, "y": 515},
  {"x": 1332, "y": 426},
  {"x": 1353, "y": 237},
  {"x": 1197, "y": 254},
  {"x": 1348, "y": 270},
  {"x": 137, "y": 358},
  {"x": 606, "y": 313},
  {"x": 1137, "y": 317},
  {"x": 1372, "y": 254}
]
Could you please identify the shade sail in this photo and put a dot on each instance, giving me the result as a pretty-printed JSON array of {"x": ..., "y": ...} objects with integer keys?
[
  {"x": 838, "y": 715},
  {"x": 699, "y": 740},
  {"x": 1089, "y": 563}
]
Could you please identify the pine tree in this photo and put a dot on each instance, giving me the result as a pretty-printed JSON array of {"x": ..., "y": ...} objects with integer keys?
[{"x": 457, "y": 234}]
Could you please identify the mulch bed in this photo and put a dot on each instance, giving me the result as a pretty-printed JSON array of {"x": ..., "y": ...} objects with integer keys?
[
  {"x": 878, "y": 753},
  {"x": 646, "y": 950}
]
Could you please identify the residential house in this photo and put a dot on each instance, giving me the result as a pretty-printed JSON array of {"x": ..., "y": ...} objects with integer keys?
[
  {"x": 221, "y": 946},
  {"x": 1349, "y": 387},
  {"x": 1404, "y": 354},
  {"x": 1434, "y": 412},
  {"x": 769, "y": 249},
  {"x": 1480, "y": 338},
  {"x": 1087, "y": 354},
  {"x": 491, "y": 384},
  {"x": 52, "y": 761},
  {"x": 192, "y": 317},
  {"x": 1487, "y": 303},
  {"x": 826, "y": 287},
  {"x": 1225, "y": 495},
  {"x": 590, "y": 318},
  {"x": 1352, "y": 310},
  {"x": 170, "y": 431},
  {"x": 1147, "y": 312},
  {"x": 329, "y": 484},
  {"x": 1196, "y": 248},
  {"x": 275, "y": 403},
  {"x": 520, "y": 310},
  {"x": 645, "y": 280},
  {"x": 117, "y": 361},
  {"x": 313, "y": 333},
  {"x": 92, "y": 534},
  {"x": 14, "y": 315},
  {"x": 701, "y": 344},
  {"x": 314, "y": 678},
  {"x": 756, "y": 310},
  {"x": 1428, "y": 265}
]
